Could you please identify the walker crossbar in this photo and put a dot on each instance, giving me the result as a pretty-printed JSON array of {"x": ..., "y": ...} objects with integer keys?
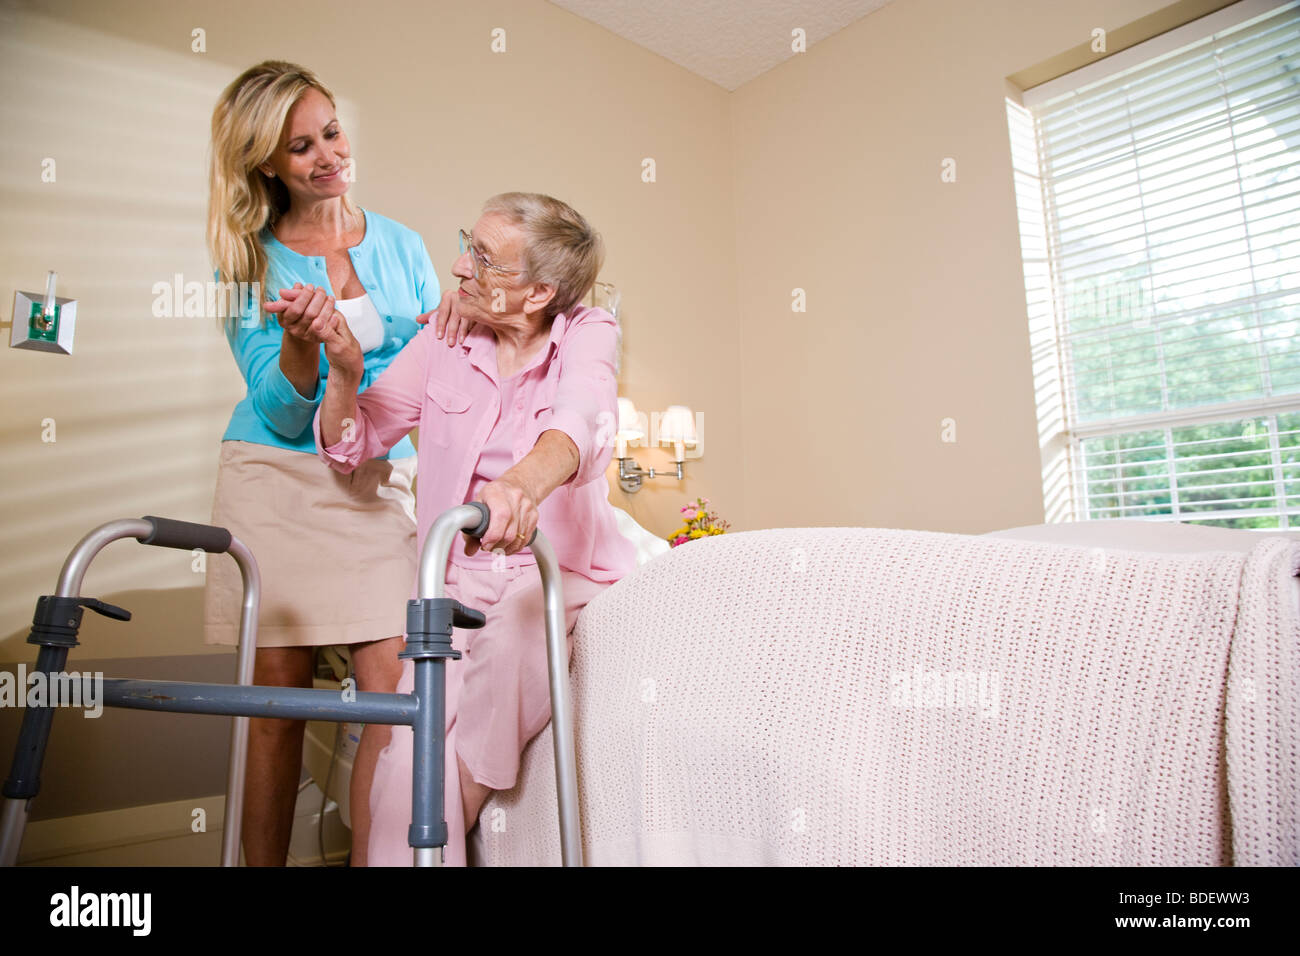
[
  {"x": 430, "y": 620},
  {"x": 238, "y": 700}
]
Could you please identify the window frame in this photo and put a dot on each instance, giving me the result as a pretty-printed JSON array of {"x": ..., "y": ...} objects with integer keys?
[{"x": 1062, "y": 437}]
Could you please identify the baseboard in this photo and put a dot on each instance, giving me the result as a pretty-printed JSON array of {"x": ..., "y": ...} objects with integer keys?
[{"x": 165, "y": 834}]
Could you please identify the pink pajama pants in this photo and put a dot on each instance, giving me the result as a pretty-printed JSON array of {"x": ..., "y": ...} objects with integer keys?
[{"x": 498, "y": 699}]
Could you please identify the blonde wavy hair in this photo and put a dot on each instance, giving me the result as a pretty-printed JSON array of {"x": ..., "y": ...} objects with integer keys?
[
  {"x": 242, "y": 200},
  {"x": 560, "y": 247}
]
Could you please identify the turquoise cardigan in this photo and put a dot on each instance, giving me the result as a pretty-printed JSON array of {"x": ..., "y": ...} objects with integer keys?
[{"x": 394, "y": 268}]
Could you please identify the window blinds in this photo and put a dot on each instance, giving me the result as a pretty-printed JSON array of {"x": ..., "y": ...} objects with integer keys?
[{"x": 1170, "y": 210}]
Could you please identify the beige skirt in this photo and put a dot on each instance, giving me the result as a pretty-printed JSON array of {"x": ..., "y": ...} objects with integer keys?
[{"x": 336, "y": 552}]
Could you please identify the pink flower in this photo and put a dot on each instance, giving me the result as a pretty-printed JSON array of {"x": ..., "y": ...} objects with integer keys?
[{"x": 680, "y": 538}]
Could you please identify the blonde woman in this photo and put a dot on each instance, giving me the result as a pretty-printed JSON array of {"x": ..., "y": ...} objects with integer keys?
[{"x": 336, "y": 552}]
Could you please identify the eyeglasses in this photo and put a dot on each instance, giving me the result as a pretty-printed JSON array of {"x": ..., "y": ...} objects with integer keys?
[{"x": 481, "y": 261}]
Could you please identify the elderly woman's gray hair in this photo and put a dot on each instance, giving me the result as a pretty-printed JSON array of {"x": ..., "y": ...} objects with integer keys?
[{"x": 560, "y": 247}]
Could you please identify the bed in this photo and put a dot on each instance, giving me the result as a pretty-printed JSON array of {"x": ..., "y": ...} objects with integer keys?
[{"x": 1101, "y": 693}]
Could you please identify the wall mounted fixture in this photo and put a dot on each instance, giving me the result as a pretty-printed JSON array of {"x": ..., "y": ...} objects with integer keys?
[
  {"x": 605, "y": 295},
  {"x": 44, "y": 323},
  {"x": 676, "y": 427}
]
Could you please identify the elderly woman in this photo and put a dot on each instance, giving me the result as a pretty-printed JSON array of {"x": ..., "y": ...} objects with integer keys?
[{"x": 520, "y": 417}]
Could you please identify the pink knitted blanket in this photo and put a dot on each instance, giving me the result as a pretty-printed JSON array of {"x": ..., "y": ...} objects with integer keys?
[{"x": 876, "y": 696}]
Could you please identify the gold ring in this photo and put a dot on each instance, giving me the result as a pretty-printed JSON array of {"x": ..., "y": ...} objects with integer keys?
[{"x": 521, "y": 537}]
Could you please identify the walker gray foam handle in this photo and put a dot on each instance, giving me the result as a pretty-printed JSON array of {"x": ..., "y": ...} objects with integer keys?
[
  {"x": 481, "y": 528},
  {"x": 186, "y": 535}
]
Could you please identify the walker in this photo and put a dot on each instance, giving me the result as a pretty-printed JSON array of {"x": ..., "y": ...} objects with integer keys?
[{"x": 429, "y": 623}]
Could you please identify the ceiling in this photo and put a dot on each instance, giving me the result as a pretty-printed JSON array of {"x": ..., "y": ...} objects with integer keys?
[{"x": 727, "y": 41}]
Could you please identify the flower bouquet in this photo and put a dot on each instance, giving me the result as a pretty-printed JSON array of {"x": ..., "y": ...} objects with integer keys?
[{"x": 698, "y": 522}]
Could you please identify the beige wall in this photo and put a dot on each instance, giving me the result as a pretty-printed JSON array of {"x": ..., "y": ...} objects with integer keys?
[{"x": 915, "y": 294}]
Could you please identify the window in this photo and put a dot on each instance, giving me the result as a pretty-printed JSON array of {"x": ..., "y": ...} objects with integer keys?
[{"x": 1159, "y": 201}]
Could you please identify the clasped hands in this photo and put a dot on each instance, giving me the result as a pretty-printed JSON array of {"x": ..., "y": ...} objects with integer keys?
[{"x": 307, "y": 314}]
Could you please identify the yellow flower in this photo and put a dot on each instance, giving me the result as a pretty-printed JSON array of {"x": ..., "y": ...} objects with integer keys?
[
  {"x": 699, "y": 516},
  {"x": 697, "y": 533}
]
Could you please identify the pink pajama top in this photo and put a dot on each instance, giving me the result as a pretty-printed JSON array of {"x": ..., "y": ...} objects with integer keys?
[
  {"x": 494, "y": 461},
  {"x": 468, "y": 432}
]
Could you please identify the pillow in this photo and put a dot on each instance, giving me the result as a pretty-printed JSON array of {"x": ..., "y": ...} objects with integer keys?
[{"x": 648, "y": 546}]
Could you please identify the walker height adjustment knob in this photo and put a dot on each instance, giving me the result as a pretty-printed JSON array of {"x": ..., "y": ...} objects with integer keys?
[
  {"x": 429, "y": 622},
  {"x": 58, "y": 619}
]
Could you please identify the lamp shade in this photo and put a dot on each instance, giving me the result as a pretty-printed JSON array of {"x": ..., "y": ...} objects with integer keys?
[
  {"x": 629, "y": 423},
  {"x": 677, "y": 425}
]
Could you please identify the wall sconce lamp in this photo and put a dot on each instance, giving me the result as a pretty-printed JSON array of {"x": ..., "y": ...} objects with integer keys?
[{"x": 676, "y": 425}]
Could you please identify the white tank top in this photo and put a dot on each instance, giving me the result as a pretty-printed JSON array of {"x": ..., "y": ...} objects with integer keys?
[{"x": 364, "y": 321}]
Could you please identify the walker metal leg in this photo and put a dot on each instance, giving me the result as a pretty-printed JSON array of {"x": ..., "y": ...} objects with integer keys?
[
  {"x": 429, "y": 623},
  {"x": 24, "y": 780},
  {"x": 473, "y": 518},
  {"x": 557, "y": 661},
  {"x": 428, "y": 825},
  {"x": 237, "y": 771},
  {"x": 13, "y": 821}
]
